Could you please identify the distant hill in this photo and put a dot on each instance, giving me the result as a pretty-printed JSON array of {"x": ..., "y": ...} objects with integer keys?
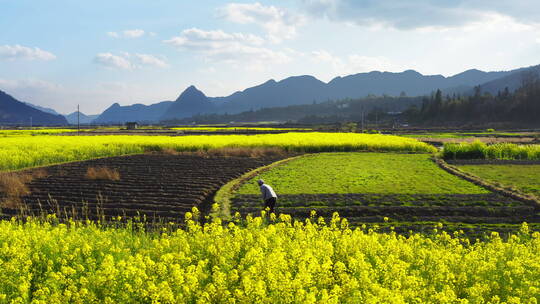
[
  {"x": 302, "y": 90},
  {"x": 13, "y": 111},
  {"x": 83, "y": 119},
  {"x": 513, "y": 81},
  {"x": 191, "y": 102},
  {"x": 295, "y": 90},
  {"x": 410, "y": 82},
  {"x": 500, "y": 109},
  {"x": 137, "y": 112},
  {"x": 44, "y": 109},
  {"x": 373, "y": 108}
]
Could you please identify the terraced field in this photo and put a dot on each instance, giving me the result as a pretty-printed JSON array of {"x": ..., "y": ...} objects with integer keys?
[
  {"x": 401, "y": 190},
  {"x": 158, "y": 186},
  {"x": 524, "y": 177}
]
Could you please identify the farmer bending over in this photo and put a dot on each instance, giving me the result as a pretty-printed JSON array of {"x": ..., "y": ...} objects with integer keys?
[{"x": 268, "y": 195}]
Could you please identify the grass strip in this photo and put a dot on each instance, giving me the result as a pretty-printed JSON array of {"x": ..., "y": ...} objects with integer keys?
[
  {"x": 225, "y": 193},
  {"x": 505, "y": 191},
  {"x": 525, "y": 177}
]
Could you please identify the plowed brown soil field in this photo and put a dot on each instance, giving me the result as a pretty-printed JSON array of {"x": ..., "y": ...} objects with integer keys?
[{"x": 158, "y": 186}]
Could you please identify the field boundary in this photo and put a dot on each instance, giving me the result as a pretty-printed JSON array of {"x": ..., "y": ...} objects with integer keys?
[
  {"x": 492, "y": 162},
  {"x": 497, "y": 188},
  {"x": 30, "y": 169},
  {"x": 224, "y": 194}
]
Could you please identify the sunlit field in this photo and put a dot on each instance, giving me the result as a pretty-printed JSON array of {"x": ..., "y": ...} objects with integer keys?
[
  {"x": 479, "y": 150},
  {"x": 526, "y": 178},
  {"x": 221, "y": 129},
  {"x": 23, "y": 152},
  {"x": 34, "y": 132},
  {"x": 284, "y": 262},
  {"x": 362, "y": 173}
]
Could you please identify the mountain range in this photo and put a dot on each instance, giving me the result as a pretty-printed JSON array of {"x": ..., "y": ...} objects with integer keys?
[
  {"x": 79, "y": 117},
  {"x": 43, "y": 109},
  {"x": 302, "y": 90},
  {"x": 16, "y": 112},
  {"x": 137, "y": 112}
]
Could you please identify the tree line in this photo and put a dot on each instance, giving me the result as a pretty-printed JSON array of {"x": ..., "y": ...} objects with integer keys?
[{"x": 518, "y": 108}]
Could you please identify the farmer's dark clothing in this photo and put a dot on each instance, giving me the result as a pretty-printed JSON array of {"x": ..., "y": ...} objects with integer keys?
[{"x": 270, "y": 203}]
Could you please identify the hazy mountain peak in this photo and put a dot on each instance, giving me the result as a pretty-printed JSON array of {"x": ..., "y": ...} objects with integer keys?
[
  {"x": 80, "y": 117},
  {"x": 191, "y": 93},
  {"x": 412, "y": 72},
  {"x": 192, "y": 101},
  {"x": 472, "y": 72},
  {"x": 191, "y": 88},
  {"x": 13, "y": 111},
  {"x": 269, "y": 81},
  {"x": 44, "y": 109},
  {"x": 299, "y": 78}
]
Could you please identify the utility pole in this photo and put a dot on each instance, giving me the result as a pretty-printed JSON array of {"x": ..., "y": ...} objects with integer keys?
[
  {"x": 30, "y": 121},
  {"x": 362, "y": 119},
  {"x": 78, "y": 121}
]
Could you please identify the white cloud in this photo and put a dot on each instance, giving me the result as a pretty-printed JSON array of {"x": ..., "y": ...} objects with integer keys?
[
  {"x": 35, "y": 91},
  {"x": 208, "y": 70},
  {"x": 354, "y": 63},
  {"x": 150, "y": 60},
  {"x": 538, "y": 40},
  {"x": 127, "y": 61},
  {"x": 323, "y": 56},
  {"x": 278, "y": 23},
  {"x": 237, "y": 48},
  {"x": 197, "y": 39},
  {"x": 13, "y": 52},
  {"x": 29, "y": 84},
  {"x": 358, "y": 63},
  {"x": 133, "y": 33},
  {"x": 113, "y": 61},
  {"x": 136, "y": 33},
  {"x": 417, "y": 14}
]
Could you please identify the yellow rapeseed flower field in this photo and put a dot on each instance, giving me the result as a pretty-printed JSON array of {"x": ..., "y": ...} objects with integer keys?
[
  {"x": 34, "y": 132},
  {"x": 217, "y": 129},
  {"x": 253, "y": 262},
  {"x": 23, "y": 152}
]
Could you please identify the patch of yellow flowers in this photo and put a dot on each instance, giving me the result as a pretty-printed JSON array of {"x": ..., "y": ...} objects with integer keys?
[
  {"x": 29, "y": 151},
  {"x": 260, "y": 260}
]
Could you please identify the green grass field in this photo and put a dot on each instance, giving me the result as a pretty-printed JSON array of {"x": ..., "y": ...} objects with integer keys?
[
  {"x": 523, "y": 177},
  {"x": 408, "y": 191},
  {"x": 363, "y": 173}
]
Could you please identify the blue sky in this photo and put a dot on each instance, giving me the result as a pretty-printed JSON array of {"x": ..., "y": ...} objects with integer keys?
[{"x": 62, "y": 53}]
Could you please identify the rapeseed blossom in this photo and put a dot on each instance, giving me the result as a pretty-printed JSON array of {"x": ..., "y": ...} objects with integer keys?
[{"x": 261, "y": 260}]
